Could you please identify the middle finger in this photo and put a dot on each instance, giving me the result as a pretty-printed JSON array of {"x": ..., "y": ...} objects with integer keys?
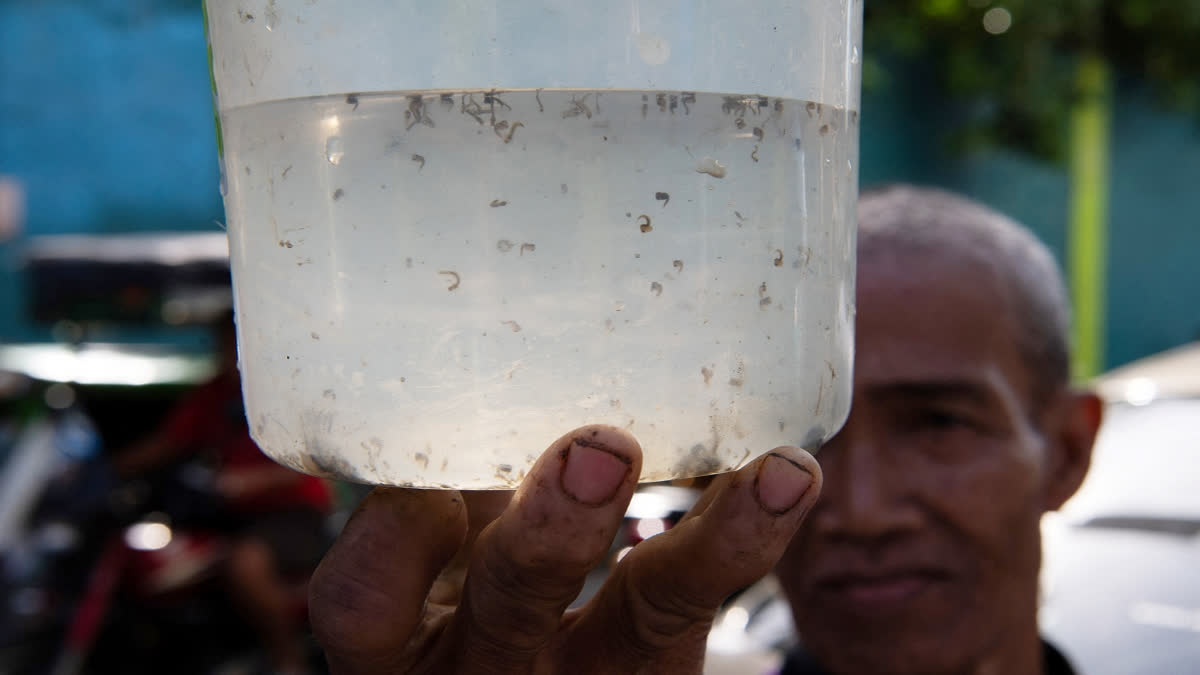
[{"x": 531, "y": 563}]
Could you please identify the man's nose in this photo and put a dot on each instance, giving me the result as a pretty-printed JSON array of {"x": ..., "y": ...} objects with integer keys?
[{"x": 865, "y": 493}]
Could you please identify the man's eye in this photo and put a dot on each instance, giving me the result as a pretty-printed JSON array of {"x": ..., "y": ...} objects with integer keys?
[{"x": 941, "y": 419}]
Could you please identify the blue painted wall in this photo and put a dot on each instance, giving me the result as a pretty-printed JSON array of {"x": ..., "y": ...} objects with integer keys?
[
  {"x": 1154, "y": 220},
  {"x": 106, "y": 119}
]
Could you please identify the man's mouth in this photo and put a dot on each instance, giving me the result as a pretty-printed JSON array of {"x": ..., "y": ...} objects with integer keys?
[{"x": 881, "y": 592}]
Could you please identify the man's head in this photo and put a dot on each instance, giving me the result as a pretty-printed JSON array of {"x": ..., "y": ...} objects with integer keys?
[{"x": 922, "y": 554}]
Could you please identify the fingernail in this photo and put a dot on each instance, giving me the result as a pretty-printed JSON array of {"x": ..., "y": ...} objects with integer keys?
[
  {"x": 780, "y": 484},
  {"x": 591, "y": 474}
]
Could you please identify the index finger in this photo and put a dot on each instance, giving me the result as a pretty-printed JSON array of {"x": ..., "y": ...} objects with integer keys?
[{"x": 367, "y": 597}]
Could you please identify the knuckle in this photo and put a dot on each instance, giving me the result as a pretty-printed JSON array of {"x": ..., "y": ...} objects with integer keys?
[
  {"x": 345, "y": 612},
  {"x": 512, "y": 606},
  {"x": 554, "y": 560},
  {"x": 521, "y": 590},
  {"x": 506, "y": 622},
  {"x": 537, "y": 561},
  {"x": 660, "y": 616}
]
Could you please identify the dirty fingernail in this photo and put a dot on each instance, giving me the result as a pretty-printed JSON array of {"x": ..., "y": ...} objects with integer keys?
[
  {"x": 781, "y": 484},
  {"x": 591, "y": 474}
]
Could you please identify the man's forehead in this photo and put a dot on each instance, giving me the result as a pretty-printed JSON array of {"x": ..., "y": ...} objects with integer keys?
[
  {"x": 978, "y": 383},
  {"x": 934, "y": 322},
  {"x": 898, "y": 363}
]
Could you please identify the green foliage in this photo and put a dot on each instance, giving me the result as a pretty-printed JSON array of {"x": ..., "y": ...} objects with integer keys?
[{"x": 1018, "y": 80}]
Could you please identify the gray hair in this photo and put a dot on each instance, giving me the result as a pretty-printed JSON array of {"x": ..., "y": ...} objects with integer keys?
[{"x": 935, "y": 222}]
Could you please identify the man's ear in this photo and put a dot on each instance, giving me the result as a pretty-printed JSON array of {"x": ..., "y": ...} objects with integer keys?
[{"x": 1071, "y": 436}]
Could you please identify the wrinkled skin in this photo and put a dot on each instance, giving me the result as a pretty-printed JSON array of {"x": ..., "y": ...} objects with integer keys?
[
  {"x": 922, "y": 554},
  {"x": 425, "y": 581}
]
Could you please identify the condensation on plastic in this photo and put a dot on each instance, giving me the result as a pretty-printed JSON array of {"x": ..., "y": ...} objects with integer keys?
[{"x": 799, "y": 49}]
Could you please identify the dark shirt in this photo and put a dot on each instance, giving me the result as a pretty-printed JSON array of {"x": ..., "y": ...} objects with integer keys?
[{"x": 800, "y": 662}]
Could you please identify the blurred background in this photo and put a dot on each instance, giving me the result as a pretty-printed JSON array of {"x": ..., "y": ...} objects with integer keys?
[{"x": 1080, "y": 118}]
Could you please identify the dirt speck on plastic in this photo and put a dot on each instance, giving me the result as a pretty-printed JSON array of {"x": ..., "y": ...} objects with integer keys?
[
  {"x": 505, "y": 476},
  {"x": 699, "y": 461},
  {"x": 326, "y": 462},
  {"x": 739, "y": 375},
  {"x": 814, "y": 439}
]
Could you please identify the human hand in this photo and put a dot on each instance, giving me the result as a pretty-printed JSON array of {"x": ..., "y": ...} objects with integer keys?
[{"x": 371, "y": 603}]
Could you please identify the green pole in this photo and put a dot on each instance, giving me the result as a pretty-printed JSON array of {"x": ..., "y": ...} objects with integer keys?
[
  {"x": 212, "y": 80},
  {"x": 1088, "y": 227}
]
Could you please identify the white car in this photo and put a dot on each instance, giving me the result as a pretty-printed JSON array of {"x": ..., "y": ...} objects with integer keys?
[{"x": 1121, "y": 562}]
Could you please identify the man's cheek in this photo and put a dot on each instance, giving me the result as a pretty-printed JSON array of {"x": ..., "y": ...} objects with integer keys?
[{"x": 996, "y": 510}]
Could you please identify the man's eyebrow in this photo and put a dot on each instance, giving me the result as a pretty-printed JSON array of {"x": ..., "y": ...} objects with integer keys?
[{"x": 975, "y": 391}]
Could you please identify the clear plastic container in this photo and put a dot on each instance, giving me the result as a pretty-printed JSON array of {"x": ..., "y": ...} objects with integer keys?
[{"x": 460, "y": 229}]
